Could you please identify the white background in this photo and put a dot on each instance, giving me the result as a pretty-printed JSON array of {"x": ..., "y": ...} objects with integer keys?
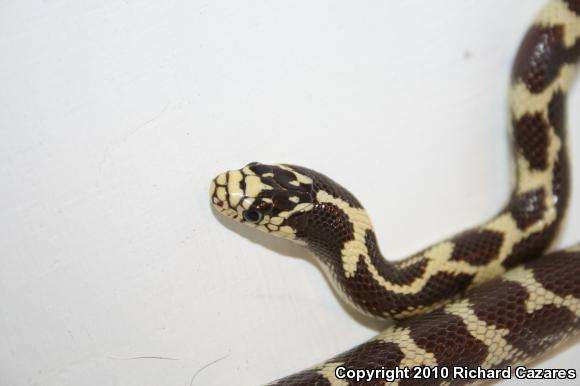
[{"x": 115, "y": 115}]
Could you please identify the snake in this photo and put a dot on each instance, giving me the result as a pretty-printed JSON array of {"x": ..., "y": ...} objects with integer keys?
[{"x": 486, "y": 298}]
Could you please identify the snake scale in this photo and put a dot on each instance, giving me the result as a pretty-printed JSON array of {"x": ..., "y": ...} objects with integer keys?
[{"x": 481, "y": 298}]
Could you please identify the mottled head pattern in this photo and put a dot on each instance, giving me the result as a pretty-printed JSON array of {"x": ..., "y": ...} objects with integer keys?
[{"x": 267, "y": 197}]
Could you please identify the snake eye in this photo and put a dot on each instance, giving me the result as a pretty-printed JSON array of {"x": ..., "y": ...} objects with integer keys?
[{"x": 252, "y": 216}]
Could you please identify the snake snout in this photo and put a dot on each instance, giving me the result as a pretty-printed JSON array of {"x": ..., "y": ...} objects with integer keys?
[
  {"x": 226, "y": 193},
  {"x": 217, "y": 190}
]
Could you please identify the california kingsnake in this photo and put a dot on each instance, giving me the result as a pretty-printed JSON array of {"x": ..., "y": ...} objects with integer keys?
[{"x": 543, "y": 306}]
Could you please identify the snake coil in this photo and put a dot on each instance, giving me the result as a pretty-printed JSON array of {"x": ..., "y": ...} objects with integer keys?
[{"x": 477, "y": 299}]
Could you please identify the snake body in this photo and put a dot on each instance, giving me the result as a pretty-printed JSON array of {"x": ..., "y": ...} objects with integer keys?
[{"x": 444, "y": 328}]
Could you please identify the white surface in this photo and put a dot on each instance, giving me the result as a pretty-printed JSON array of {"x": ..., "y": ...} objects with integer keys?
[{"x": 114, "y": 116}]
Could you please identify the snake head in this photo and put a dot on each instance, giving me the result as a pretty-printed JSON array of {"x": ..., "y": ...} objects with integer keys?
[{"x": 272, "y": 198}]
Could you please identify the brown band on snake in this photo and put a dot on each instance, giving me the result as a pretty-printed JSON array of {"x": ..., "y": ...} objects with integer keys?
[
  {"x": 541, "y": 56},
  {"x": 502, "y": 293},
  {"x": 557, "y": 278},
  {"x": 541, "y": 329},
  {"x": 525, "y": 250},
  {"x": 447, "y": 338},
  {"x": 531, "y": 136},
  {"x": 529, "y": 208},
  {"x": 477, "y": 247}
]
